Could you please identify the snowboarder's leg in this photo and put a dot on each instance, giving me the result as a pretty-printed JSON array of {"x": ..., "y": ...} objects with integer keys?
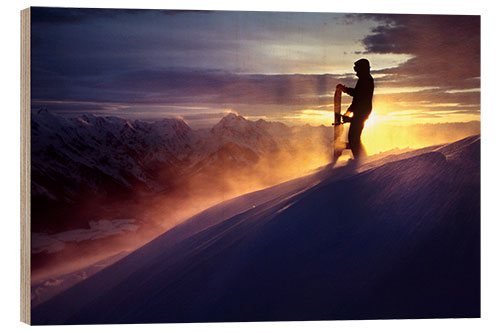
[
  {"x": 338, "y": 144},
  {"x": 355, "y": 137}
]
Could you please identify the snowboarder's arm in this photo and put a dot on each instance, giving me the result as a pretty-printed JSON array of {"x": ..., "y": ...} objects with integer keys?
[{"x": 349, "y": 91}]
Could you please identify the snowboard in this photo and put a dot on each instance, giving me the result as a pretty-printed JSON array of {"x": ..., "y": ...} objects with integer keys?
[{"x": 338, "y": 126}]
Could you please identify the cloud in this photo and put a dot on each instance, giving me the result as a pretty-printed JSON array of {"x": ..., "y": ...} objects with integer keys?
[
  {"x": 444, "y": 62},
  {"x": 432, "y": 99},
  {"x": 205, "y": 116},
  {"x": 186, "y": 86},
  {"x": 192, "y": 60},
  {"x": 445, "y": 49},
  {"x": 51, "y": 243},
  {"x": 57, "y": 16},
  {"x": 207, "y": 94}
]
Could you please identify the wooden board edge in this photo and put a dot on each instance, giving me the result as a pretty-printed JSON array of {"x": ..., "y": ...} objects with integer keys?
[{"x": 25, "y": 166}]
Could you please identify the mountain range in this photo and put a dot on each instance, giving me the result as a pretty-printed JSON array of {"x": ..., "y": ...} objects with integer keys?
[{"x": 78, "y": 161}]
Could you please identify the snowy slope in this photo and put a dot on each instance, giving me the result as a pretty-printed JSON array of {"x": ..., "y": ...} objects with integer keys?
[
  {"x": 47, "y": 288},
  {"x": 399, "y": 239}
]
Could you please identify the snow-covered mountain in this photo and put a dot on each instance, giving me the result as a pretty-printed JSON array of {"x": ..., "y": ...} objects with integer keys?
[
  {"x": 253, "y": 135},
  {"x": 395, "y": 238},
  {"x": 92, "y": 152},
  {"x": 110, "y": 157}
]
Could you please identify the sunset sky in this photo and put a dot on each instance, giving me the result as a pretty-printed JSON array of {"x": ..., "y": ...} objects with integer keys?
[{"x": 279, "y": 66}]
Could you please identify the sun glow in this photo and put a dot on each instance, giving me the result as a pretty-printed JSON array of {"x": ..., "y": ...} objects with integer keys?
[
  {"x": 388, "y": 129},
  {"x": 313, "y": 117},
  {"x": 373, "y": 120}
]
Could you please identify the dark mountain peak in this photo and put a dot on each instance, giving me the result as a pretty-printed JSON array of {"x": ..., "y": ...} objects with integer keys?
[
  {"x": 232, "y": 117},
  {"x": 233, "y": 123}
]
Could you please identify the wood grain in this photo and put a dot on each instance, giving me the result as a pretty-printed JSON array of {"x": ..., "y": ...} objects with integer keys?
[{"x": 25, "y": 167}]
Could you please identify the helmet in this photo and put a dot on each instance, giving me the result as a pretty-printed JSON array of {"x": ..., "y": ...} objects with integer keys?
[{"x": 362, "y": 65}]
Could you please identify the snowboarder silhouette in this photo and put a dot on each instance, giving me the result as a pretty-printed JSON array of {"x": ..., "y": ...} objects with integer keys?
[{"x": 361, "y": 105}]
